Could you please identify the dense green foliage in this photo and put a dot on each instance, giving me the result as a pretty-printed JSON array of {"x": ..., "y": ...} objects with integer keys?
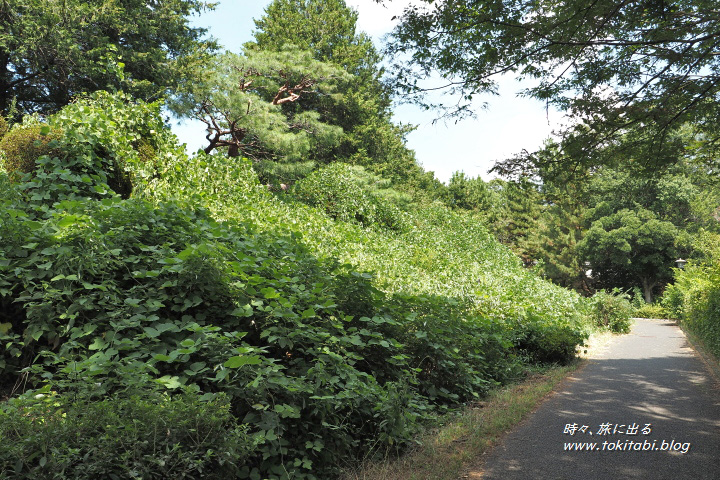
[
  {"x": 613, "y": 228},
  {"x": 646, "y": 310},
  {"x": 361, "y": 107},
  {"x": 23, "y": 145},
  {"x": 251, "y": 105},
  {"x": 327, "y": 28},
  {"x": 694, "y": 296},
  {"x": 632, "y": 246},
  {"x": 51, "y": 51},
  {"x": 156, "y": 436},
  {"x": 301, "y": 295},
  {"x": 612, "y": 311},
  {"x": 338, "y": 190},
  {"x": 509, "y": 209},
  {"x": 324, "y": 339}
]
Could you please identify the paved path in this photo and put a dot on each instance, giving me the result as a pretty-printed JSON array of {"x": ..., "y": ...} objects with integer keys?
[{"x": 650, "y": 377}]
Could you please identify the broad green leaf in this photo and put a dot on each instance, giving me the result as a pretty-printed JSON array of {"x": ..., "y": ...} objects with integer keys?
[
  {"x": 68, "y": 220},
  {"x": 269, "y": 293},
  {"x": 97, "y": 344},
  {"x": 240, "y": 360},
  {"x": 151, "y": 332},
  {"x": 133, "y": 302},
  {"x": 170, "y": 382},
  {"x": 244, "y": 311}
]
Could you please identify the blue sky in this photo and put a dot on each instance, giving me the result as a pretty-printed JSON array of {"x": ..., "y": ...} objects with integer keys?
[{"x": 508, "y": 126}]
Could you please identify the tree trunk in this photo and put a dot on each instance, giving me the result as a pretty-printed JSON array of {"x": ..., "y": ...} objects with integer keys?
[
  {"x": 4, "y": 83},
  {"x": 648, "y": 286}
]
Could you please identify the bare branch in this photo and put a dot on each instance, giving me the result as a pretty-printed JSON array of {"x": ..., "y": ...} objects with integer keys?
[{"x": 293, "y": 93}]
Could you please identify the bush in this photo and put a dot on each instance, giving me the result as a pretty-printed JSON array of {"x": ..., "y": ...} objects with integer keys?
[
  {"x": 116, "y": 138},
  {"x": 546, "y": 342},
  {"x": 612, "y": 311},
  {"x": 4, "y": 127},
  {"x": 134, "y": 437},
  {"x": 650, "y": 311},
  {"x": 25, "y": 144},
  {"x": 336, "y": 190},
  {"x": 100, "y": 145},
  {"x": 194, "y": 301},
  {"x": 8, "y": 188},
  {"x": 701, "y": 311},
  {"x": 672, "y": 302},
  {"x": 637, "y": 298},
  {"x": 459, "y": 356}
]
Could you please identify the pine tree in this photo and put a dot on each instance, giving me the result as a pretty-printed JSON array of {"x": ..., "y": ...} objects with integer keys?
[
  {"x": 361, "y": 106},
  {"x": 249, "y": 104}
]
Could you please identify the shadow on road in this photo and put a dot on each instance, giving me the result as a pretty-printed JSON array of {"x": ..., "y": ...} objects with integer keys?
[{"x": 648, "y": 388}]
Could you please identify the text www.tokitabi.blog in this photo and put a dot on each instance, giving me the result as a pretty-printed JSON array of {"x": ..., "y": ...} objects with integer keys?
[{"x": 629, "y": 446}]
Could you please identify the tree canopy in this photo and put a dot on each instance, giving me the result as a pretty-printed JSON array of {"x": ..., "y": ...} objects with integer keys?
[
  {"x": 630, "y": 246},
  {"x": 326, "y": 27},
  {"x": 634, "y": 71},
  {"x": 629, "y": 227},
  {"x": 50, "y": 51}
]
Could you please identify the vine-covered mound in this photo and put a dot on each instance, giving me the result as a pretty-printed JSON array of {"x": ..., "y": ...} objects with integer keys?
[{"x": 230, "y": 332}]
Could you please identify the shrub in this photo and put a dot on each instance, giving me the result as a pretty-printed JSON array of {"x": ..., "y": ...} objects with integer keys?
[
  {"x": 196, "y": 301},
  {"x": 121, "y": 140},
  {"x": 701, "y": 311},
  {"x": 547, "y": 342},
  {"x": 25, "y": 144},
  {"x": 327, "y": 339},
  {"x": 336, "y": 190},
  {"x": 650, "y": 311},
  {"x": 4, "y": 127},
  {"x": 612, "y": 311},
  {"x": 133, "y": 437},
  {"x": 637, "y": 298},
  {"x": 458, "y": 355},
  {"x": 672, "y": 301},
  {"x": 8, "y": 188},
  {"x": 387, "y": 215},
  {"x": 100, "y": 145}
]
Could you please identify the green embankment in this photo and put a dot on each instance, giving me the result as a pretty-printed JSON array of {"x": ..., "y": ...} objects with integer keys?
[{"x": 290, "y": 343}]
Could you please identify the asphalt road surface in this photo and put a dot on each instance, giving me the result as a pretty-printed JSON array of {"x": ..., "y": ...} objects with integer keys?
[{"x": 648, "y": 404}]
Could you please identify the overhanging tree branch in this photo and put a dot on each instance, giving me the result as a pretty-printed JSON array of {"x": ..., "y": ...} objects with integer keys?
[{"x": 611, "y": 65}]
